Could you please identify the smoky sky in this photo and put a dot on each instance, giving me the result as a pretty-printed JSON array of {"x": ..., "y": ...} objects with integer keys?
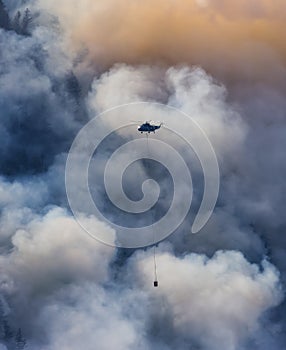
[{"x": 221, "y": 62}]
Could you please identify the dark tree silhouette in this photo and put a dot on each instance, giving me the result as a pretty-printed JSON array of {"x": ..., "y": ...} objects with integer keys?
[
  {"x": 16, "y": 24},
  {"x": 73, "y": 87},
  {"x": 4, "y": 18},
  {"x": 27, "y": 19},
  {"x": 20, "y": 340},
  {"x": 22, "y": 23},
  {"x": 8, "y": 333}
]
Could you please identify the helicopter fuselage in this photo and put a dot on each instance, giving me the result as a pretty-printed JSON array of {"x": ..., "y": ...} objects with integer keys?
[{"x": 147, "y": 127}]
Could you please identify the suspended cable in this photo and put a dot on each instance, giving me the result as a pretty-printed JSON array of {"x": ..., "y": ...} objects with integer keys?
[{"x": 156, "y": 283}]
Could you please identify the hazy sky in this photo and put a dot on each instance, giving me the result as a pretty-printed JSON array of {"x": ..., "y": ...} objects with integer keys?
[{"x": 223, "y": 62}]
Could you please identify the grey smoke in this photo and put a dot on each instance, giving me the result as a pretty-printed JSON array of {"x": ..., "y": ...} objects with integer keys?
[{"x": 221, "y": 289}]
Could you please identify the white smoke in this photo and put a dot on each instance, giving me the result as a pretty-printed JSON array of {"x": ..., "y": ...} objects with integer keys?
[{"x": 66, "y": 290}]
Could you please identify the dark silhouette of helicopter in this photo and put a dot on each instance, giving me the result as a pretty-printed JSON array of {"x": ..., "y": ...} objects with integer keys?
[{"x": 149, "y": 127}]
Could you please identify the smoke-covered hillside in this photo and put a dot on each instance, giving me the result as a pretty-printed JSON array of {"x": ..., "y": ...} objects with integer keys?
[{"x": 223, "y": 63}]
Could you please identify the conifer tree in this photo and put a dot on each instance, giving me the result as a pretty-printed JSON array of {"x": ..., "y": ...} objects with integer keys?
[{"x": 4, "y": 18}]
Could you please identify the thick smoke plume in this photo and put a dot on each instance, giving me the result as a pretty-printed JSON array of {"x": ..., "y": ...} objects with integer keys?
[
  {"x": 231, "y": 39},
  {"x": 222, "y": 62}
]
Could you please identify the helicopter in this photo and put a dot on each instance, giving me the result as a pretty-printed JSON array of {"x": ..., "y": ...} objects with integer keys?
[{"x": 149, "y": 127}]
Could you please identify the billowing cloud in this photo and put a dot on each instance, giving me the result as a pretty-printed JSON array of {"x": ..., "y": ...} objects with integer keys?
[
  {"x": 231, "y": 39},
  {"x": 49, "y": 253},
  {"x": 223, "y": 63},
  {"x": 224, "y": 298}
]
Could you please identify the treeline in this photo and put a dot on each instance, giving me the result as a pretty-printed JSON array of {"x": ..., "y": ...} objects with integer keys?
[
  {"x": 21, "y": 22},
  {"x": 13, "y": 339}
]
